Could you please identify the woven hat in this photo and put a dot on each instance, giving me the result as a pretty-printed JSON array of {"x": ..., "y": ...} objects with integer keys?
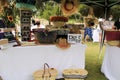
[{"x": 69, "y": 7}]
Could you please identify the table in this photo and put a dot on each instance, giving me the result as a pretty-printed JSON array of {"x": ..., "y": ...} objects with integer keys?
[
  {"x": 112, "y": 35},
  {"x": 111, "y": 65},
  {"x": 19, "y": 63}
]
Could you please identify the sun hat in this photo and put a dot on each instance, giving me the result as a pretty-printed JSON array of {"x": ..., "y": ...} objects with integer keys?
[{"x": 69, "y": 7}]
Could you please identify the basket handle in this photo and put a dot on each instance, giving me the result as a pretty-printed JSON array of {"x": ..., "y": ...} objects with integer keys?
[{"x": 46, "y": 65}]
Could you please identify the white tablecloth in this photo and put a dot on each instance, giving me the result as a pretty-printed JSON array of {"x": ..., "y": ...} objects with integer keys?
[
  {"x": 111, "y": 63},
  {"x": 19, "y": 63}
]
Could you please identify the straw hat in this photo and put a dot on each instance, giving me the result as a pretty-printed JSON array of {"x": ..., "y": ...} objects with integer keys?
[{"x": 69, "y": 7}]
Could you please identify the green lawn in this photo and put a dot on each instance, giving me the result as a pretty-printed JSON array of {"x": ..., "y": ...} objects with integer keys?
[{"x": 93, "y": 63}]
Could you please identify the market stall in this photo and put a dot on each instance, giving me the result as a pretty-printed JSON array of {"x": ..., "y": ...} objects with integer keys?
[
  {"x": 110, "y": 66},
  {"x": 23, "y": 61}
]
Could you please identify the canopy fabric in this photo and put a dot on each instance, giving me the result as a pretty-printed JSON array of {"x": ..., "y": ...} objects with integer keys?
[
  {"x": 102, "y": 3},
  {"x": 26, "y": 6}
]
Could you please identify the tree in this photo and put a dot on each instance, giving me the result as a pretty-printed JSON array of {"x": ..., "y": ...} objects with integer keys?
[
  {"x": 115, "y": 11},
  {"x": 49, "y": 9}
]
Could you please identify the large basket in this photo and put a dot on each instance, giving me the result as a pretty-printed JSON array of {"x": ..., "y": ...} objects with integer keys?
[
  {"x": 113, "y": 38},
  {"x": 46, "y": 73},
  {"x": 44, "y": 36}
]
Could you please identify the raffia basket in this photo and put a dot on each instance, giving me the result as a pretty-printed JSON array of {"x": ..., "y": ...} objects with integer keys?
[
  {"x": 75, "y": 74},
  {"x": 46, "y": 73}
]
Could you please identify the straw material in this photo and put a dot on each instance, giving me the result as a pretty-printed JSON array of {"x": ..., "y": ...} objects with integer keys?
[
  {"x": 3, "y": 41},
  {"x": 113, "y": 43},
  {"x": 75, "y": 72},
  {"x": 38, "y": 75},
  {"x": 69, "y": 7},
  {"x": 58, "y": 24},
  {"x": 46, "y": 73}
]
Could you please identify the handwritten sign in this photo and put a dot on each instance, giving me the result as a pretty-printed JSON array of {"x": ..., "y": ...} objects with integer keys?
[{"x": 74, "y": 38}]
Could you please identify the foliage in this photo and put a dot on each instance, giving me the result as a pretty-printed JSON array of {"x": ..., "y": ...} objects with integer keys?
[
  {"x": 115, "y": 11},
  {"x": 78, "y": 17},
  {"x": 49, "y": 9},
  {"x": 83, "y": 9},
  {"x": 9, "y": 15},
  {"x": 98, "y": 11}
]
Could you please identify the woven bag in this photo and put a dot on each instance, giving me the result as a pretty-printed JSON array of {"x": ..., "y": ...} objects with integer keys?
[{"x": 46, "y": 73}]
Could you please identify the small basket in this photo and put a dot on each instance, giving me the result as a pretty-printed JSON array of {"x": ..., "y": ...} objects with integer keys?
[{"x": 46, "y": 73}]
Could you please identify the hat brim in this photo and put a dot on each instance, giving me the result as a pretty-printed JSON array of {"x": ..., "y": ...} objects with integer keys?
[{"x": 70, "y": 11}]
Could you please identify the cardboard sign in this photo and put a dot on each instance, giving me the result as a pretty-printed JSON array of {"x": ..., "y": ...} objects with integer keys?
[{"x": 74, "y": 38}]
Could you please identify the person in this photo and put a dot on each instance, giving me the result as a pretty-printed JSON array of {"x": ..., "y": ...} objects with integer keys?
[
  {"x": 107, "y": 24},
  {"x": 117, "y": 24},
  {"x": 88, "y": 30},
  {"x": 1, "y": 33},
  {"x": 110, "y": 18},
  {"x": 36, "y": 24}
]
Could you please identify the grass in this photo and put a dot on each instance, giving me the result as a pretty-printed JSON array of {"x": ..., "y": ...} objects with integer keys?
[{"x": 93, "y": 63}]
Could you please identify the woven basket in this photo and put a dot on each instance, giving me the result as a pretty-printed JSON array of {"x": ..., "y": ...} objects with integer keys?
[
  {"x": 46, "y": 73},
  {"x": 75, "y": 73},
  {"x": 46, "y": 37}
]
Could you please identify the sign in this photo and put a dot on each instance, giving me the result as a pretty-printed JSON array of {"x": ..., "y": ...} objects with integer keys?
[{"x": 74, "y": 38}]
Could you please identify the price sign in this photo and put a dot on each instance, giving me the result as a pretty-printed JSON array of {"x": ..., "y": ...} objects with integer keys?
[{"x": 74, "y": 38}]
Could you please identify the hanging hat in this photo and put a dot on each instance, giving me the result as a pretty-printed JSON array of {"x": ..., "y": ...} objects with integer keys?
[{"x": 69, "y": 7}]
